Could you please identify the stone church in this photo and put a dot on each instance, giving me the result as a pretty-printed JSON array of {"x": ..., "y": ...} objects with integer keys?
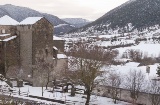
[{"x": 24, "y": 45}]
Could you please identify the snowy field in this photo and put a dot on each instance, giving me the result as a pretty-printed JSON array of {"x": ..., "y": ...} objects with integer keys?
[
  {"x": 76, "y": 100},
  {"x": 152, "y": 50},
  {"x": 149, "y": 47},
  {"x": 125, "y": 69}
]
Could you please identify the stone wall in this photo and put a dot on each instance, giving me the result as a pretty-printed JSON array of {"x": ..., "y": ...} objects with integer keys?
[
  {"x": 35, "y": 40},
  {"x": 25, "y": 32},
  {"x": 9, "y": 49},
  {"x": 2, "y": 57},
  {"x": 43, "y": 39},
  {"x": 60, "y": 67},
  {"x": 124, "y": 95},
  {"x": 8, "y": 29},
  {"x": 12, "y": 57},
  {"x": 42, "y": 47}
]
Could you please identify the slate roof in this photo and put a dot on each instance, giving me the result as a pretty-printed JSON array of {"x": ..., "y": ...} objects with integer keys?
[
  {"x": 30, "y": 20},
  {"x": 6, "y": 20}
]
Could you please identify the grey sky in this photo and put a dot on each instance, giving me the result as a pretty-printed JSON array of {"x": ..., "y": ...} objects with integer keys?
[{"x": 88, "y": 9}]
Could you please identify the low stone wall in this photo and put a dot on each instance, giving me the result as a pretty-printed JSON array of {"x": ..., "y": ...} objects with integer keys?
[{"x": 124, "y": 95}]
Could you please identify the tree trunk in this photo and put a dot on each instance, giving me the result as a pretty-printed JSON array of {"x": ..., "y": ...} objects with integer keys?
[
  {"x": 115, "y": 101},
  {"x": 88, "y": 97},
  {"x": 53, "y": 89},
  {"x": 72, "y": 91},
  {"x": 66, "y": 89},
  {"x": 47, "y": 81},
  {"x": 42, "y": 90},
  {"x": 47, "y": 85},
  {"x": 134, "y": 102}
]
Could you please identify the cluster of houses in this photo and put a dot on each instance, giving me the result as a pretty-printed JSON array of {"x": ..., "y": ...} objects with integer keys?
[{"x": 21, "y": 43}]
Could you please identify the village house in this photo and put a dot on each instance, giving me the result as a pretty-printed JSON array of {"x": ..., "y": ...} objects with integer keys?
[{"x": 23, "y": 44}]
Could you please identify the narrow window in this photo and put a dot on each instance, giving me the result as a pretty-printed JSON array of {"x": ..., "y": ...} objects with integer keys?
[
  {"x": 3, "y": 31},
  {"x": 46, "y": 50}
]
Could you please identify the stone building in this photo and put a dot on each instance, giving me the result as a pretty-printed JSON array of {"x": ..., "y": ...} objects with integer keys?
[
  {"x": 25, "y": 46},
  {"x": 9, "y": 53},
  {"x": 36, "y": 34},
  {"x": 59, "y": 57}
]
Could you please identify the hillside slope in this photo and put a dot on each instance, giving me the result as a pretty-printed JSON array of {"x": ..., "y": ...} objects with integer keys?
[{"x": 134, "y": 14}]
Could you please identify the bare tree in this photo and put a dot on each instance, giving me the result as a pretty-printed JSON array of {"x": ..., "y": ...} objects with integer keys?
[
  {"x": 134, "y": 82},
  {"x": 135, "y": 55},
  {"x": 43, "y": 70},
  {"x": 40, "y": 72},
  {"x": 85, "y": 63},
  {"x": 114, "y": 81},
  {"x": 49, "y": 71}
]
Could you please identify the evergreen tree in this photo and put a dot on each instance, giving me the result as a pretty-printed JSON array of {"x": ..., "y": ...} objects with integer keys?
[{"x": 158, "y": 70}]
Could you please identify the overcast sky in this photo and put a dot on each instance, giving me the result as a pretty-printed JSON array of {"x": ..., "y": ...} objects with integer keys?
[{"x": 88, "y": 9}]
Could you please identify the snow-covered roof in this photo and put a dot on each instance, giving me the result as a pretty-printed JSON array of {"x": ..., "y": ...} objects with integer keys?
[
  {"x": 4, "y": 34},
  {"x": 6, "y": 20},
  {"x": 134, "y": 64},
  {"x": 30, "y": 20},
  {"x": 61, "y": 56},
  {"x": 123, "y": 60},
  {"x": 2, "y": 83},
  {"x": 55, "y": 48},
  {"x": 57, "y": 38},
  {"x": 8, "y": 39}
]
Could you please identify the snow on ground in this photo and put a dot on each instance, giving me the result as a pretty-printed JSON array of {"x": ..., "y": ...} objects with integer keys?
[
  {"x": 57, "y": 38},
  {"x": 109, "y": 36},
  {"x": 150, "y": 49},
  {"x": 125, "y": 69},
  {"x": 95, "y": 100},
  {"x": 76, "y": 100},
  {"x": 109, "y": 43},
  {"x": 60, "y": 25}
]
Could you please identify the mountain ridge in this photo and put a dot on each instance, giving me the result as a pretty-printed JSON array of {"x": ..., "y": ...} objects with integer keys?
[{"x": 77, "y": 22}]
